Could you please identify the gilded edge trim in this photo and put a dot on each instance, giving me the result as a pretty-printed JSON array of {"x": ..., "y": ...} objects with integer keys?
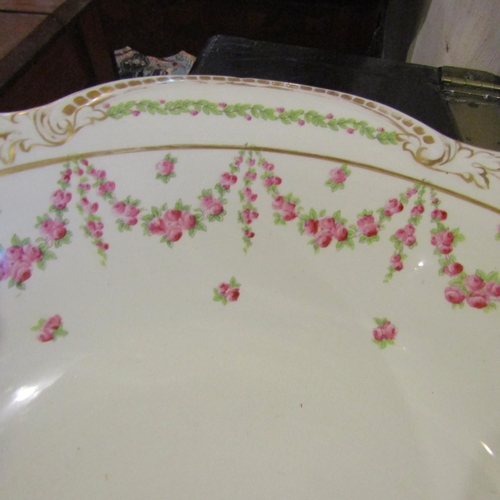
[
  {"x": 52, "y": 161},
  {"x": 415, "y": 138}
]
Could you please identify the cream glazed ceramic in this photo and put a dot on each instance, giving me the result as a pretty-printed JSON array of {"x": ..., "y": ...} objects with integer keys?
[{"x": 213, "y": 288}]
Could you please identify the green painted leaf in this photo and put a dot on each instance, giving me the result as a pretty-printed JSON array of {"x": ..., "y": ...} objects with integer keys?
[
  {"x": 39, "y": 325},
  {"x": 60, "y": 332},
  {"x": 481, "y": 274},
  {"x": 493, "y": 276}
]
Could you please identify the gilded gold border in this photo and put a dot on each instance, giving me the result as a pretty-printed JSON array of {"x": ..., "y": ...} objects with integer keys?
[{"x": 427, "y": 147}]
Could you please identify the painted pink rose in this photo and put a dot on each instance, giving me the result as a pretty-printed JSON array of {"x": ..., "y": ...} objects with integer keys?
[
  {"x": 327, "y": 224},
  {"x": 246, "y": 216},
  {"x": 207, "y": 202},
  {"x": 66, "y": 177},
  {"x": 390, "y": 330},
  {"x": 267, "y": 166},
  {"x": 493, "y": 288},
  {"x": 337, "y": 176},
  {"x": 379, "y": 333},
  {"x": 417, "y": 210},
  {"x": 248, "y": 117},
  {"x": 368, "y": 226},
  {"x": 278, "y": 202},
  {"x": 454, "y": 295},
  {"x": 14, "y": 253},
  {"x": 473, "y": 282},
  {"x": 249, "y": 234},
  {"x": 301, "y": 123},
  {"x": 323, "y": 240},
  {"x": 60, "y": 199},
  {"x": 194, "y": 112},
  {"x": 232, "y": 294},
  {"x": 187, "y": 221},
  {"x": 131, "y": 211},
  {"x": 288, "y": 211},
  {"x": 406, "y": 235},
  {"x": 222, "y": 105},
  {"x": 157, "y": 226},
  {"x": 478, "y": 300},
  {"x": 350, "y": 131},
  {"x": 398, "y": 266},
  {"x": 280, "y": 110},
  {"x": 251, "y": 162},
  {"x": 445, "y": 249},
  {"x": 107, "y": 187},
  {"x": 223, "y": 288},
  {"x": 396, "y": 263},
  {"x": 88, "y": 207},
  {"x": 45, "y": 336},
  {"x": 251, "y": 175},
  {"x": 46, "y": 227},
  {"x": 85, "y": 163},
  {"x": 386, "y": 331},
  {"x": 172, "y": 215},
  {"x": 165, "y": 167},
  {"x": 173, "y": 233},
  {"x": 95, "y": 228},
  {"x": 136, "y": 112},
  {"x": 249, "y": 195},
  {"x": 443, "y": 241},
  {"x": 439, "y": 214},
  {"x": 340, "y": 232},
  {"x": 84, "y": 186},
  {"x": 119, "y": 207},
  {"x": 32, "y": 254},
  {"x": 20, "y": 272},
  {"x": 53, "y": 323},
  {"x": 271, "y": 181},
  {"x": 393, "y": 206},
  {"x": 453, "y": 268},
  {"x": 311, "y": 227},
  {"x": 217, "y": 208},
  {"x": 238, "y": 161},
  {"x": 395, "y": 258},
  {"x": 58, "y": 231},
  {"x": 227, "y": 180},
  {"x": 130, "y": 221},
  {"x": 329, "y": 116}
]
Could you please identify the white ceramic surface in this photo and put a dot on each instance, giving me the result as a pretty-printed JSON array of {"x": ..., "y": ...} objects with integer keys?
[{"x": 233, "y": 289}]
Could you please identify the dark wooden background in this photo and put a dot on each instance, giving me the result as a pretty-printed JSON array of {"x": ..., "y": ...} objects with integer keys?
[
  {"x": 71, "y": 45},
  {"x": 163, "y": 27}
]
